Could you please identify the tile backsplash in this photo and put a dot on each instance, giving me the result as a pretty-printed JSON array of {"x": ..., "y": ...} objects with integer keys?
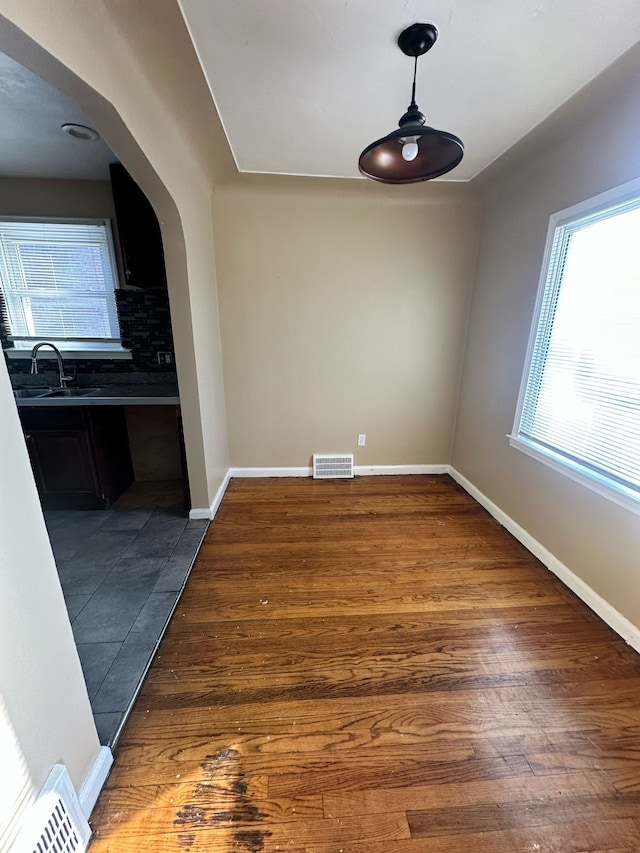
[{"x": 145, "y": 326}]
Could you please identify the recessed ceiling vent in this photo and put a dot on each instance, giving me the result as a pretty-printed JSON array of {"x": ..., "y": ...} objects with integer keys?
[{"x": 326, "y": 466}]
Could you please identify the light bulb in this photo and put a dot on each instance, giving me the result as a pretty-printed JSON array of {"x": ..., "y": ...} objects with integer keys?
[{"x": 410, "y": 150}]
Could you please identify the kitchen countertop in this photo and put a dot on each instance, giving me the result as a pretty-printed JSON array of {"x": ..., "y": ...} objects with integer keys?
[{"x": 113, "y": 395}]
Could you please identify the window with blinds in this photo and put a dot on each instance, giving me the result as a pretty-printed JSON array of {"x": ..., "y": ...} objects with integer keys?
[
  {"x": 579, "y": 407},
  {"x": 58, "y": 280}
]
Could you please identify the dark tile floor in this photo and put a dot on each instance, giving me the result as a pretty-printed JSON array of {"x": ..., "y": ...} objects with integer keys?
[{"x": 121, "y": 572}]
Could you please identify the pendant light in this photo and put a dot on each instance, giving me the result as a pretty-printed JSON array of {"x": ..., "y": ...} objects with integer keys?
[{"x": 414, "y": 152}]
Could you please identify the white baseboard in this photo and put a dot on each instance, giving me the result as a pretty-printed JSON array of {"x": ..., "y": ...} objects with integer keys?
[
  {"x": 271, "y": 472},
  {"x": 198, "y": 514},
  {"x": 95, "y": 780},
  {"x": 366, "y": 470},
  {"x": 210, "y": 512},
  {"x": 620, "y": 624},
  {"x": 360, "y": 470}
]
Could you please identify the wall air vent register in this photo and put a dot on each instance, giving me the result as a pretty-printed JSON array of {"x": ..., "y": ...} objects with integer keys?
[{"x": 328, "y": 466}]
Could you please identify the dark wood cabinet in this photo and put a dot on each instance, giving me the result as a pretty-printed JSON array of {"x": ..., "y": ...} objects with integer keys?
[
  {"x": 79, "y": 454},
  {"x": 138, "y": 232},
  {"x": 62, "y": 463}
]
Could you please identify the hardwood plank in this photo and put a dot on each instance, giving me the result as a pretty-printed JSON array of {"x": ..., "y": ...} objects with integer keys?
[
  {"x": 294, "y": 663},
  {"x": 589, "y": 757},
  {"x": 491, "y": 817},
  {"x": 366, "y": 711},
  {"x": 610, "y": 836},
  {"x": 422, "y": 639},
  {"x": 355, "y": 662},
  {"x": 456, "y": 794},
  {"x": 238, "y": 605},
  {"x": 391, "y": 768},
  {"x": 336, "y": 684},
  {"x": 507, "y": 718},
  {"x": 198, "y": 810},
  {"x": 184, "y": 628},
  {"x": 488, "y": 728},
  {"x": 249, "y": 740},
  {"x": 143, "y": 767},
  {"x": 128, "y": 798},
  {"x": 205, "y": 832}
]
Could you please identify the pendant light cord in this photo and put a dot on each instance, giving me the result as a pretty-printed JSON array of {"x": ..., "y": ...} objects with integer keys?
[{"x": 413, "y": 88}]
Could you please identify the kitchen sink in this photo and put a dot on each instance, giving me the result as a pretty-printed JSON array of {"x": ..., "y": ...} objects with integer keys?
[
  {"x": 23, "y": 393},
  {"x": 34, "y": 393},
  {"x": 70, "y": 392}
]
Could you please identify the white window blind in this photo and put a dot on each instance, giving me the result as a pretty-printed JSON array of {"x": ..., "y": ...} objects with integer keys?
[
  {"x": 58, "y": 281},
  {"x": 581, "y": 401}
]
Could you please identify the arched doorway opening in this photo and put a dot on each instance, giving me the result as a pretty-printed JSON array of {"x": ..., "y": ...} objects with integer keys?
[{"x": 109, "y": 123}]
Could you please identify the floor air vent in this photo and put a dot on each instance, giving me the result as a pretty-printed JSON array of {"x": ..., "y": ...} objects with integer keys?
[
  {"x": 55, "y": 823},
  {"x": 328, "y": 465}
]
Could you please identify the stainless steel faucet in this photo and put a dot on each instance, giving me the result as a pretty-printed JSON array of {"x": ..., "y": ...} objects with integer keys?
[{"x": 34, "y": 362}]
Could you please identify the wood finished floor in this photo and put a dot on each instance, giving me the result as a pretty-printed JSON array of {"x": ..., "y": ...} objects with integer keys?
[{"x": 369, "y": 665}]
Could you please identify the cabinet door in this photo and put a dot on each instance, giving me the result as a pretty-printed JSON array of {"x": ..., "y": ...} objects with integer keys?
[
  {"x": 138, "y": 231},
  {"x": 62, "y": 463},
  {"x": 111, "y": 454}
]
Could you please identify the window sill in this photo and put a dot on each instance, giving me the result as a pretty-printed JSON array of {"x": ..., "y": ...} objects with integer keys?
[
  {"x": 48, "y": 355},
  {"x": 609, "y": 489}
]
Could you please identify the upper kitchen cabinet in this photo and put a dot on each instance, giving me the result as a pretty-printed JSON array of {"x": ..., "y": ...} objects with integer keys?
[{"x": 138, "y": 232}]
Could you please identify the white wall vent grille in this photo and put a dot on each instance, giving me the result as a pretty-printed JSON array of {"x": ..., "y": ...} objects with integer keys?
[
  {"x": 326, "y": 465},
  {"x": 56, "y": 822}
]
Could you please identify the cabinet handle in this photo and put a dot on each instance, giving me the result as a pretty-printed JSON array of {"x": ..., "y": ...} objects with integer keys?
[{"x": 27, "y": 437}]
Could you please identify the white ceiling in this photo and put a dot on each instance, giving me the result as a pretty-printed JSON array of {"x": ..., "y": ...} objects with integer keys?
[
  {"x": 302, "y": 86},
  {"x": 31, "y": 142}
]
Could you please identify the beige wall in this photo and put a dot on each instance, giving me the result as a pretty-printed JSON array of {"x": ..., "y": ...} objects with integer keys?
[
  {"x": 343, "y": 309},
  {"x": 589, "y": 147},
  {"x": 33, "y": 197},
  {"x": 60, "y": 198},
  {"x": 41, "y": 682}
]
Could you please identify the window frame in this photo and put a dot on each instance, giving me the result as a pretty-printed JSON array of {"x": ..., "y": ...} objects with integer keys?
[
  {"x": 602, "y": 484},
  {"x": 79, "y": 348}
]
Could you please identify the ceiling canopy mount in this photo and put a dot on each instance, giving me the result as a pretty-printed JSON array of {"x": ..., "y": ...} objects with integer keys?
[{"x": 417, "y": 39}]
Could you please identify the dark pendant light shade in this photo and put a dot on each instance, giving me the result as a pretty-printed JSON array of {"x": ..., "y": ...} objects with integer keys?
[{"x": 415, "y": 152}]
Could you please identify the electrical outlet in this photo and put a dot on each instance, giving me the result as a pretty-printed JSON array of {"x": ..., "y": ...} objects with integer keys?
[
  {"x": 362, "y": 440},
  {"x": 165, "y": 358}
]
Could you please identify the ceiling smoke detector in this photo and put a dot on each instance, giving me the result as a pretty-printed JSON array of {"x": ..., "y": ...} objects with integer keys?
[{"x": 79, "y": 131}]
